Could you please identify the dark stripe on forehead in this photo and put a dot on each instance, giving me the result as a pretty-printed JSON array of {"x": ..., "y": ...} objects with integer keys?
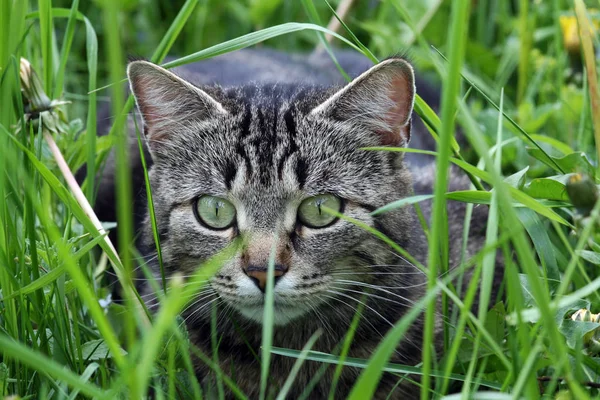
[
  {"x": 301, "y": 171},
  {"x": 275, "y": 120},
  {"x": 245, "y": 132},
  {"x": 229, "y": 173},
  {"x": 261, "y": 125},
  {"x": 290, "y": 124},
  {"x": 264, "y": 143},
  {"x": 292, "y": 147}
]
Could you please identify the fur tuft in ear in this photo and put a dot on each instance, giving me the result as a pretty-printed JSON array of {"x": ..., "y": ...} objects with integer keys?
[
  {"x": 165, "y": 101},
  {"x": 381, "y": 100}
]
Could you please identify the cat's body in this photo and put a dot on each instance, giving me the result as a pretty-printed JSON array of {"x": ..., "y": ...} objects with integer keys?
[{"x": 264, "y": 150}]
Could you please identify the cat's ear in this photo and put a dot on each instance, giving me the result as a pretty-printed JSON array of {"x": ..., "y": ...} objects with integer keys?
[
  {"x": 165, "y": 101},
  {"x": 381, "y": 100}
]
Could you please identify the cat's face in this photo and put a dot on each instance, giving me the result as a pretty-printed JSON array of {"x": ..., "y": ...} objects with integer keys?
[{"x": 263, "y": 164}]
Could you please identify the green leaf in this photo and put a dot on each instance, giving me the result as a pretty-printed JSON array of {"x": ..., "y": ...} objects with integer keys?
[
  {"x": 252, "y": 39},
  {"x": 573, "y": 162},
  {"x": 551, "y": 188},
  {"x": 95, "y": 350},
  {"x": 470, "y": 196},
  {"x": 401, "y": 203},
  {"x": 538, "y": 233},
  {"x": 517, "y": 180},
  {"x": 555, "y": 143},
  {"x": 56, "y": 272},
  {"x": 589, "y": 256},
  {"x": 574, "y": 331},
  {"x": 535, "y": 117},
  {"x": 516, "y": 194},
  {"x": 40, "y": 362},
  {"x": 362, "y": 363}
]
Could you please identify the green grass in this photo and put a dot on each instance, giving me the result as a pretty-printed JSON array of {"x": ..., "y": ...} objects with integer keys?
[{"x": 523, "y": 95}]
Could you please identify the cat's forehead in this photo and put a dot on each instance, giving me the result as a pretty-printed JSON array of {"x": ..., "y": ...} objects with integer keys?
[
  {"x": 269, "y": 146},
  {"x": 278, "y": 141}
]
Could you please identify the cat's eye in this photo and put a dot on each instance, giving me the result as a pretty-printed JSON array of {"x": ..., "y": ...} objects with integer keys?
[
  {"x": 311, "y": 212},
  {"x": 215, "y": 212}
]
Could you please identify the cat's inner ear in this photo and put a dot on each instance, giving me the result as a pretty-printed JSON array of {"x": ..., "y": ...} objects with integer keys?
[
  {"x": 380, "y": 100},
  {"x": 166, "y": 102}
]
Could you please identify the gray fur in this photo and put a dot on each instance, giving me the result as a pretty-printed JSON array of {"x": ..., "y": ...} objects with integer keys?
[{"x": 266, "y": 146}]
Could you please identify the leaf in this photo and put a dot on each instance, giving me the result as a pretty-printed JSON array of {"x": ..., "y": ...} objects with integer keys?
[
  {"x": 95, "y": 350},
  {"x": 590, "y": 256},
  {"x": 517, "y": 180},
  {"x": 47, "y": 366},
  {"x": 362, "y": 363},
  {"x": 557, "y": 144},
  {"x": 551, "y": 188},
  {"x": 574, "y": 331},
  {"x": 495, "y": 322},
  {"x": 55, "y": 273},
  {"x": 515, "y": 193},
  {"x": 543, "y": 245},
  {"x": 252, "y": 39},
  {"x": 85, "y": 377},
  {"x": 564, "y": 313},
  {"x": 401, "y": 203},
  {"x": 535, "y": 117},
  {"x": 470, "y": 196},
  {"x": 573, "y": 162},
  {"x": 481, "y": 396}
]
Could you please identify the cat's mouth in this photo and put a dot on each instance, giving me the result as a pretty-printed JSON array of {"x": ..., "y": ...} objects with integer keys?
[
  {"x": 289, "y": 301},
  {"x": 282, "y": 313},
  {"x": 283, "y": 309}
]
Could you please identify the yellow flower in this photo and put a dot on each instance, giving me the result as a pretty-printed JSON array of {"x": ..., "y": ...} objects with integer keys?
[
  {"x": 570, "y": 30},
  {"x": 568, "y": 26}
]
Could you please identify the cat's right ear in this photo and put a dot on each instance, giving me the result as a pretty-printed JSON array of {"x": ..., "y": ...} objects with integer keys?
[
  {"x": 165, "y": 101},
  {"x": 380, "y": 100}
]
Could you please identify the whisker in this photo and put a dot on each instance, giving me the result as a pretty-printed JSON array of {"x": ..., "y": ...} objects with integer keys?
[
  {"x": 353, "y": 308},
  {"x": 406, "y": 302},
  {"x": 369, "y": 307},
  {"x": 373, "y": 273},
  {"x": 380, "y": 287}
]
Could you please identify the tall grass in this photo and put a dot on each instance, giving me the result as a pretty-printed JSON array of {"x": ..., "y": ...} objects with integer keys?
[{"x": 524, "y": 97}]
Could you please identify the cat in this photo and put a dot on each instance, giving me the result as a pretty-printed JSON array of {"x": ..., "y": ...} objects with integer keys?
[{"x": 253, "y": 144}]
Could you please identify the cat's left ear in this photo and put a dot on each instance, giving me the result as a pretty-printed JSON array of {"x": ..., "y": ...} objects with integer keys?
[
  {"x": 380, "y": 100},
  {"x": 166, "y": 101}
]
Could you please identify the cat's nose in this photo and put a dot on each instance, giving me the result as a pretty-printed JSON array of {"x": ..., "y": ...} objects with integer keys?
[{"x": 258, "y": 274}]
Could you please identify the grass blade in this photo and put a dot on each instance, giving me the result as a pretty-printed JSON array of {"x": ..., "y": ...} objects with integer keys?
[
  {"x": 585, "y": 32},
  {"x": 268, "y": 321},
  {"x": 44, "y": 365}
]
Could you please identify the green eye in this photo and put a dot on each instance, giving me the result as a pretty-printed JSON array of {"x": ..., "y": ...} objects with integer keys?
[
  {"x": 215, "y": 212},
  {"x": 311, "y": 212}
]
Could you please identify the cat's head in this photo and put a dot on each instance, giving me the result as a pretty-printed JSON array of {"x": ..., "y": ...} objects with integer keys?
[{"x": 263, "y": 162}]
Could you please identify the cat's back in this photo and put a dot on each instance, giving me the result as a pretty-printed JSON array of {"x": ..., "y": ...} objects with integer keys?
[{"x": 267, "y": 66}]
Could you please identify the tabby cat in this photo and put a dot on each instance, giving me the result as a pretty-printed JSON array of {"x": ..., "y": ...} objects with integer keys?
[{"x": 258, "y": 150}]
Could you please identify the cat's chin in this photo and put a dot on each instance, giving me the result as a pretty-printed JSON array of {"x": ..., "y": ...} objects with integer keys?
[{"x": 282, "y": 315}]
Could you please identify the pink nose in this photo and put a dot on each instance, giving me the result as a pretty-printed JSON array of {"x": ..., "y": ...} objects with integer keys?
[{"x": 259, "y": 274}]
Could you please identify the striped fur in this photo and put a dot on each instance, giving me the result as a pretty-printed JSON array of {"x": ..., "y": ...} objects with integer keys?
[{"x": 265, "y": 147}]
